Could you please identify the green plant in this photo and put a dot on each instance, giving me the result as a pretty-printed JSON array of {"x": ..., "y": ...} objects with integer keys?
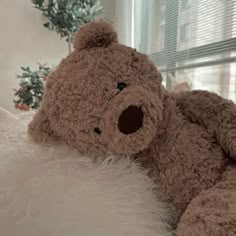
[
  {"x": 65, "y": 16},
  {"x": 31, "y": 87}
]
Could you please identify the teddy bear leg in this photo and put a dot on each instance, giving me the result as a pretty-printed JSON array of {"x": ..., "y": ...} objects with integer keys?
[{"x": 213, "y": 211}]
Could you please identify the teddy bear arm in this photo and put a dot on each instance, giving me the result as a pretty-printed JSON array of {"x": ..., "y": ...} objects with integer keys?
[
  {"x": 40, "y": 130},
  {"x": 216, "y": 114},
  {"x": 213, "y": 211}
]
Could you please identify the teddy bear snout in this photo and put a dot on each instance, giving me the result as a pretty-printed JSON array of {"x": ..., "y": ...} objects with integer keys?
[{"x": 131, "y": 120}]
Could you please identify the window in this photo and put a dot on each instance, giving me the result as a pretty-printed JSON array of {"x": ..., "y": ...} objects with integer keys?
[
  {"x": 162, "y": 37},
  {"x": 163, "y": 15},
  {"x": 184, "y": 32},
  {"x": 185, "y": 4},
  {"x": 193, "y": 41}
]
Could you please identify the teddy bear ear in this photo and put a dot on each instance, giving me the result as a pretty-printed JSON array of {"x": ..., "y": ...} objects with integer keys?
[{"x": 95, "y": 34}]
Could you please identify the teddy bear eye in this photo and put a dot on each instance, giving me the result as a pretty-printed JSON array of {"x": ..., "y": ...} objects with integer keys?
[
  {"x": 97, "y": 130},
  {"x": 121, "y": 86}
]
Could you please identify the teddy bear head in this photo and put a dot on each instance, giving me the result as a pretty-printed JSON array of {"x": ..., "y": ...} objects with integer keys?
[{"x": 104, "y": 98}]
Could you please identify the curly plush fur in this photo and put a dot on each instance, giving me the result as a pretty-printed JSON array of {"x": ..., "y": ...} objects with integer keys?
[
  {"x": 53, "y": 191},
  {"x": 108, "y": 99}
]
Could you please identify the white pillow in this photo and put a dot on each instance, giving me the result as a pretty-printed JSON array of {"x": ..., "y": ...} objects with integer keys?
[{"x": 52, "y": 191}]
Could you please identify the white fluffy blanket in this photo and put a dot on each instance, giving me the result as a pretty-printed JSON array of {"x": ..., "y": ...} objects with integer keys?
[{"x": 52, "y": 191}]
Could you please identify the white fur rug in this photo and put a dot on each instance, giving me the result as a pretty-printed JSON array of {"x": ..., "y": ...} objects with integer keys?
[{"x": 52, "y": 191}]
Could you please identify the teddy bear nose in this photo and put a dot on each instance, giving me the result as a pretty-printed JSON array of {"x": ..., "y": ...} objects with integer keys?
[{"x": 130, "y": 120}]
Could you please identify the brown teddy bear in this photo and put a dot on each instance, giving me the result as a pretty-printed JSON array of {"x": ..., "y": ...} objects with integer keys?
[{"x": 106, "y": 98}]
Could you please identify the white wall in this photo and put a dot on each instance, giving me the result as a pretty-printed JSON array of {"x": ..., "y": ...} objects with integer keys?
[
  {"x": 109, "y": 9},
  {"x": 24, "y": 41}
]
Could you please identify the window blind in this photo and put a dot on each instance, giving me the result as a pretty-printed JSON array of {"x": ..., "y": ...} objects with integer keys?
[{"x": 189, "y": 36}]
